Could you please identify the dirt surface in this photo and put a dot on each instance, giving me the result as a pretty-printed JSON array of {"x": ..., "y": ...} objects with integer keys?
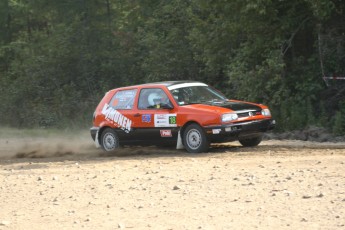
[{"x": 63, "y": 182}]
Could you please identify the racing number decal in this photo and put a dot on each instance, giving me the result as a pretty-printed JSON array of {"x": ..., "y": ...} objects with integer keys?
[{"x": 172, "y": 120}]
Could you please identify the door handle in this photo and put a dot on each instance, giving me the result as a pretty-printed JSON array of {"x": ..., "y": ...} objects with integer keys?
[{"x": 137, "y": 115}]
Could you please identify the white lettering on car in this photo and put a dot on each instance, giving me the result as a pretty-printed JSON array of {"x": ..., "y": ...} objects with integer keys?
[
  {"x": 128, "y": 124},
  {"x": 119, "y": 122},
  {"x": 117, "y": 118},
  {"x": 124, "y": 122}
]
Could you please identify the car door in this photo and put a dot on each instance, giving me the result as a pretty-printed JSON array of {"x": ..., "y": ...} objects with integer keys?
[{"x": 155, "y": 117}]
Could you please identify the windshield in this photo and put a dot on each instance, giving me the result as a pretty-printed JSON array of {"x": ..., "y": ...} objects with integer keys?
[{"x": 197, "y": 95}]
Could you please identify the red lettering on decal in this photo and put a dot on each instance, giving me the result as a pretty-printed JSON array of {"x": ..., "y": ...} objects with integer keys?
[{"x": 166, "y": 133}]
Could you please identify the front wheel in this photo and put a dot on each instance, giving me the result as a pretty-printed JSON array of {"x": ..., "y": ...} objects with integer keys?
[
  {"x": 251, "y": 142},
  {"x": 109, "y": 140},
  {"x": 195, "y": 140}
]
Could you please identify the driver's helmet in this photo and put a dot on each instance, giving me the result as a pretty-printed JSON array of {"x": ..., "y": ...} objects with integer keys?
[{"x": 154, "y": 98}]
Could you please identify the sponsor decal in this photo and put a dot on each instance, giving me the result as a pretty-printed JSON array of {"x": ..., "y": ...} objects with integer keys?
[
  {"x": 216, "y": 131},
  {"x": 166, "y": 133},
  {"x": 146, "y": 118},
  {"x": 165, "y": 120},
  {"x": 117, "y": 118}
]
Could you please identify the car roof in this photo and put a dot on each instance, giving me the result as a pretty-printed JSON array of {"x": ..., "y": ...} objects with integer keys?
[{"x": 162, "y": 83}]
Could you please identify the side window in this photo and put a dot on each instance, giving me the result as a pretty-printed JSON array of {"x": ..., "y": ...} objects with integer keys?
[
  {"x": 123, "y": 99},
  {"x": 153, "y": 99}
]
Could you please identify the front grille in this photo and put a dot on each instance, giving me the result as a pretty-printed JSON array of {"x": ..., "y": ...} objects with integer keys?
[{"x": 248, "y": 114}]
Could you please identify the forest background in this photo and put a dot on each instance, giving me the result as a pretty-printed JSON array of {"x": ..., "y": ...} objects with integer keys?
[{"x": 58, "y": 58}]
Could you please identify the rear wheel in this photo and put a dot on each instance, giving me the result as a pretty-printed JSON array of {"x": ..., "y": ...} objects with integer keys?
[
  {"x": 194, "y": 139},
  {"x": 251, "y": 142},
  {"x": 109, "y": 140}
]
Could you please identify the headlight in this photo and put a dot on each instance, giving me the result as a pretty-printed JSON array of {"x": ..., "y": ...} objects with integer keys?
[
  {"x": 266, "y": 112},
  {"x": 229, "y": 117}
]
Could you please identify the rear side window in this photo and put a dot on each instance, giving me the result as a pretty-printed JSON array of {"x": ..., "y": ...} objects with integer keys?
[{"x": 123, "y": 99}]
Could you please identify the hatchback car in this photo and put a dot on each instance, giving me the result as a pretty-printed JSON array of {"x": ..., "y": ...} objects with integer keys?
[{"x": 187, "y": 114}]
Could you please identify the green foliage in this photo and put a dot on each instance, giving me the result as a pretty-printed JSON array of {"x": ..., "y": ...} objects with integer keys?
[
  {"x": 58, "y": 58},
  {"x": 338, "y": 124},
  {"x": 339, "y": 120},
  {"x": 293, "y": 114}
]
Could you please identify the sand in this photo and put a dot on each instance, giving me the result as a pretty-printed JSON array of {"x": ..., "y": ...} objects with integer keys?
[{"x": 64, "y": 182}]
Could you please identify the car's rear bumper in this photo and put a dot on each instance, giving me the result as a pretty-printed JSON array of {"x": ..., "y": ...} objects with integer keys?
[{"x": 240, "y": 130}]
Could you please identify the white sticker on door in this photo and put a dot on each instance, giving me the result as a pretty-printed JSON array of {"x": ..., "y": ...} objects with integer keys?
[{"x": 165, "y": 120}]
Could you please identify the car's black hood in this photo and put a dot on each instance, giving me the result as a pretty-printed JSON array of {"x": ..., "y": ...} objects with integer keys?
[
  {"x": 232, "y": 105},
  {"x": 237, "y": 106}
]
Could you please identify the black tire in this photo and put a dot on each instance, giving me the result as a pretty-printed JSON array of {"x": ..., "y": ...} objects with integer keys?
[
  {"x": 109, "y": 140},
  {"x": 194, "y": 139},
  {"x": 251, "y": 142}
]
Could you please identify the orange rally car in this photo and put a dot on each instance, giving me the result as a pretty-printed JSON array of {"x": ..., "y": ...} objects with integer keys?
[{"x": 187, "y": 114}]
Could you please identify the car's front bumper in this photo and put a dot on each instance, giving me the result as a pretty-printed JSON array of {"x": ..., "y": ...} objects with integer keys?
[{"x": 239, "y": 130}]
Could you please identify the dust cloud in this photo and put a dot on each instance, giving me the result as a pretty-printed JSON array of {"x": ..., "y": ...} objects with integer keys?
[
  {"x": 45, "y": 147},
  {"x": 68, "y": 146},
  {"x": 79, "y": 144}
]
